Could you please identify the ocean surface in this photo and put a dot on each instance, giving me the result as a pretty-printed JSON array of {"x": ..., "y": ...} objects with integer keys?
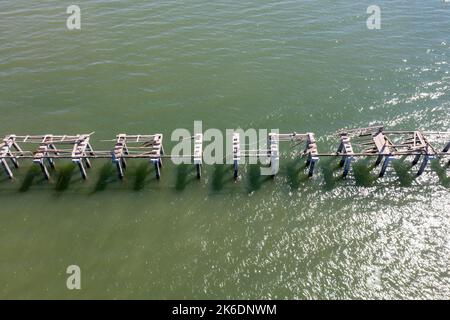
[{"x": 154, "y": 66}]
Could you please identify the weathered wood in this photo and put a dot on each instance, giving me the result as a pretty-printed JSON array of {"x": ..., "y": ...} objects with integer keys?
[
  {"x": 157, "y": 170},
  {"x": 423, "y": 165},
  {"x": 274, "y": 153},
  {"x": 236, "y": 154},
  {"x": 198, "y": 153},
  {"x": 7, "y": 169},
  {"x": 386, "y": 162},
  {"x": 82, "y": 170},
  {"x": 44, "y": 170},
  {"x": 346, "y": 148},
  {"x": 311, "y": 150}
]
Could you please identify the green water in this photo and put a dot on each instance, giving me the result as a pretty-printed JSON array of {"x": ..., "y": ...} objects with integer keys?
[{"x": 153, "y": 66}]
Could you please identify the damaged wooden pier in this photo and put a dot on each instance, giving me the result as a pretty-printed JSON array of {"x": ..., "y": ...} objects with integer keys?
[{"x": 383, "y": 145}]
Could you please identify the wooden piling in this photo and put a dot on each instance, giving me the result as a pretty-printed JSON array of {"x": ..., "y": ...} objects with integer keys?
[
  {"x": 198, "y": 153},
  {"x": 385, "y": 165},
  {"x": 236, "y": 154},
  {"x": 7, "y": 169},
  {"x": 311, "y": 150},
  {"x": 274, "y": 153},
  {"x": 345, "y": 148},
  {"x": 423, "y": 166}
]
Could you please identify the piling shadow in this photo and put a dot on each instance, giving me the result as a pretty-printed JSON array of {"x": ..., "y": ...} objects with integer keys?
[
  {"x": 441, "y": 172},
  {"x": 328, "y": 168},
  {"x": 141, "y": 174},
  {"x": 254, "y": 178},
  {"x": 185, "y": 174},
  {"x": 362, "y": 171},
  {"x": 222, "y": 175},
  {"x": 63, "y": 177},
  {"x": 31, "y": 175},
  {"x": 403, "y": 171},
  {"x": 295, "y": 171},
  {"x": 107, "y": 172}
]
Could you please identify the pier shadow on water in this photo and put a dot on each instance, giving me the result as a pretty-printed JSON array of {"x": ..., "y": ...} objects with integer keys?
[
  {"x": 296, "y": 171},
  {"x": 328, "y": 168},
  {"x": 254, "y": 178},
  {"x": 140, "y": 176},
  {"x": 222, "y": 175},
  {"x": 362, "y": 171},
  {"x": 107, "y": 174},
  {"x": 32, "y": 174},
  {"x": 441, "y": 171},
  {"x": 185, "y": 175},
  {"x": 63, "y": 176},
  {"x": 403, "y": 171}
]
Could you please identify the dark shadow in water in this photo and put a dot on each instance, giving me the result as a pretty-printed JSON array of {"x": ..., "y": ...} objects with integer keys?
[
  {"x": 255, "y": 179},
  {"x": 64, "y": 174},
  {"x": 293, "y": 170},
  {"x": 141, "y": 173},
  {"x": 402, "y": 170},
  {"x": 328, "y": 168},
  {"x": 441, "y": 172},
  {"x": 107, "y": 172},
  {"x": 297, "y": 172},
  {"x": 222, "y": 175},
  {"x": 185, "y": 174},
  {"x": 32, "y": 173},
  {"x": 362, "y": 171}
]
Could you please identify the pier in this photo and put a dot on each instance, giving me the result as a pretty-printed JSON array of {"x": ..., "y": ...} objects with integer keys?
[{"x": 369, "y": 142}]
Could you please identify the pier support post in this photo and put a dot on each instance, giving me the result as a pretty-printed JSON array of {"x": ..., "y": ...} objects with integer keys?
[
  {"x": 50, "y": 160},
  {"x": 235, "y": 169},
  {"x": 416, "y": 159},
  {"x": 6, "y": 146},
  {"x": 162, "y": 154},
  {"x": 423, "y": 165},
  {"x": 117, "y": 154},
  {"x": 82, "y": 169},
  {"x": 386, "y": 162},
  {"x": 119, "y": 169},
  {"x": 19, "y": 150},
  {"x": 274, "y": 153},
  {"x": 311, "y": 150},
  {"x": 346, "y": 148},
  {"x": 198, "y": 153},
  {"x": 312, "y": 165},
  {"x": 40, "y": 155},
  {"x": 447, "y": 147},
  {"x": 347, "y": 166},
  {"x": 79, "y": 155},
  {"x": 13, "y": 160},
  {"x": 236, "y": 154},
  {"x": 87, "y": 162},
  {"x": 118, "y": 164},
  {"x": 157, "y": 168},
  {"x": 379, "y": 159},
  {"x": 339, "y": 150},
  {"x": 44, "y": 169},
  {"x": 7, "y": 169}
]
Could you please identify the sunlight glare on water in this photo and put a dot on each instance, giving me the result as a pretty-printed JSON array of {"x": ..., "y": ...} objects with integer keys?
[{"x": 153, "y": 66}]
